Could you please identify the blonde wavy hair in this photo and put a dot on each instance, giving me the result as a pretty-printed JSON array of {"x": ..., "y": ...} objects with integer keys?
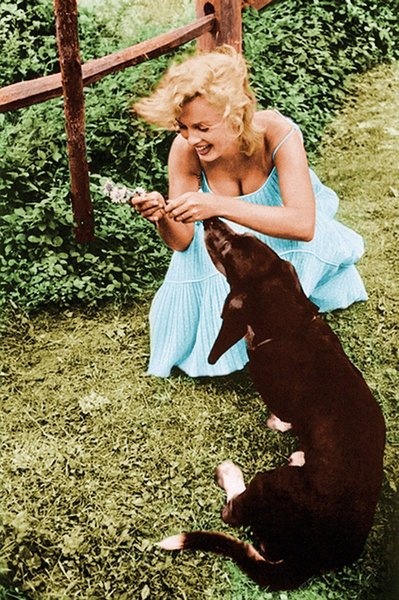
[{"x": 221, "y": 78}]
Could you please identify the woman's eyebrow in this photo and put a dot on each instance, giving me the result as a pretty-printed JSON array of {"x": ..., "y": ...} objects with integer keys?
[{"x": 199, "y": 124}]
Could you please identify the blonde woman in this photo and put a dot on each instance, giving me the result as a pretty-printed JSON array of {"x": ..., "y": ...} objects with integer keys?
[{"x": 250, "y": 168}]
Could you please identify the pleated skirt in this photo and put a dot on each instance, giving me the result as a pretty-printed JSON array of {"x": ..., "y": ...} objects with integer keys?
[{"x": 185, "y": 315}]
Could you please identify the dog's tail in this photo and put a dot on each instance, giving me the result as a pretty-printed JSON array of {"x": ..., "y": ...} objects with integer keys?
[{"x": 274, "y": 575}]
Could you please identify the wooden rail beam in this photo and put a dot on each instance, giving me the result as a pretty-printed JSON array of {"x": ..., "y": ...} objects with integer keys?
[
  {"x": 25, "y": 93},
  {"x": 218, "y": 22}
]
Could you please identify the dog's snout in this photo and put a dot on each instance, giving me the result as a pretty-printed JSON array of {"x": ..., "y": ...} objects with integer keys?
[
  {"x": 215, "y": 226},
  {"x": 217, "y": 232},
  {"x": 210, "y": 223}
]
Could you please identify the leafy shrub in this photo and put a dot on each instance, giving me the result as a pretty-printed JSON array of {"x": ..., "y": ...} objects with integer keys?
[
  {"x": 301, "y": 54},
  {"x": 32, "y": 154},
  {"x": 42, "y": 263},
  {"x": 119, "y": 145},
  {"x": 27, "y": 40},
  {"x": 28, "y": 43}
]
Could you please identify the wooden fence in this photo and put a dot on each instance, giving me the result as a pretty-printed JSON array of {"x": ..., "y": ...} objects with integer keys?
[{"x": 217, "y": 22}]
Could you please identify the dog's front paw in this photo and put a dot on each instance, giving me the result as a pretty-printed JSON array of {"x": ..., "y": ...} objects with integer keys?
[
  {"x": 277, "y": 424},
  {"x": 297, "y": 459}
]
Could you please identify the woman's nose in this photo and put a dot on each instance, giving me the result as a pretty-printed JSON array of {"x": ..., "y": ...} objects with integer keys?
[{"x": 193, "y": 137}]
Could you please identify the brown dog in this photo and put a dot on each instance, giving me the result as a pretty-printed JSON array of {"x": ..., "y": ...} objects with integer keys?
[{"x": 314, "y": 513}]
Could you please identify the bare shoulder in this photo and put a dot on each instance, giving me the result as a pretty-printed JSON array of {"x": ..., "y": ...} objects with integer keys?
[
  {"x": 183, "y": 155},
  {"x": 271, "y": 122},
  {"x": 275, "y": 126}
]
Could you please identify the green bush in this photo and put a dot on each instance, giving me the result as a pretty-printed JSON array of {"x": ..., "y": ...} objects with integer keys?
[
  {"x": 27, "y": 40},
  {"x": 28, "y": 43},
  {"x": 301, "y": 54},
  {"x": 42, "y": 263}
]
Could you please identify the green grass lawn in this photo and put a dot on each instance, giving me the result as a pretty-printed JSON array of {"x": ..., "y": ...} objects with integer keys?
[
  {"x": 99, "y": 461},
  {"x": 140, "y": 19}
]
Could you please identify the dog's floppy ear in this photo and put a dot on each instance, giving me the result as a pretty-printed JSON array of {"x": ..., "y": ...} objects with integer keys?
[{"x": 233, "y": 328}]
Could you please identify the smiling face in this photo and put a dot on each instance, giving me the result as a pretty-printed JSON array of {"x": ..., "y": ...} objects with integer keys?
[
  {"x": 220, "y": 76},
  {"x": 206, "y": 130}
]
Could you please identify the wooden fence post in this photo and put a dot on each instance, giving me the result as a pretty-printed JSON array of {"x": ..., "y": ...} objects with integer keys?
[
  {"x": 228, "y": 23},
  {"x": 66, "y": 17}
]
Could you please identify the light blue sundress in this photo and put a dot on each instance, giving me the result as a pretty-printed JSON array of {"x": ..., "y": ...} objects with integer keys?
[{"x": 185, "y": 315}]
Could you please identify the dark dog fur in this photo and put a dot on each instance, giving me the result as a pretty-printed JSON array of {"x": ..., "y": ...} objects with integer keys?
[{"x": 316, "y": 517}]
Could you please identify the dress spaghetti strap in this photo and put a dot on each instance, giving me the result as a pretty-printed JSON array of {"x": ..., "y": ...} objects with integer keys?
[
  {"x": 294, "y": 127},
  {"x": 285, "y": 138}
]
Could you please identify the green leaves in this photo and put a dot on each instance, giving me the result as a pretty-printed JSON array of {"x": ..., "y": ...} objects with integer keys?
[
  {"x": 301, "y": 54},
  {"x": 41, "y": 263}
]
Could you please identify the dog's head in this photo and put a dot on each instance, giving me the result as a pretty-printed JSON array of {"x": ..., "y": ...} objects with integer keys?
[
  {"x": 261, "y": 283},
  {"x": 240, "y": 257}
]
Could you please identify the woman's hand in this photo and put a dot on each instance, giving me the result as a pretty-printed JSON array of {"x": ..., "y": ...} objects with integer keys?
[
  {"x": 192, "y": 206},
  {"x": 151, "y": 206}
]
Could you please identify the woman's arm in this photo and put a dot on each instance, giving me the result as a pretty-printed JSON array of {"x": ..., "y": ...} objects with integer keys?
[
  {"x": 295, "y": 219},
  {"x": 183, "y": 177}
]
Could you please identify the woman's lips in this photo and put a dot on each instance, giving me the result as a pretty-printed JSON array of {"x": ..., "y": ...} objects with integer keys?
[{"x": 202, "y": 150}]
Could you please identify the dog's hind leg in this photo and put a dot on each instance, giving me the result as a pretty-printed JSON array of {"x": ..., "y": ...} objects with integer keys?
[
  {"x": 276, "y": 424},
  {"x": 229, "y": 477}
]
